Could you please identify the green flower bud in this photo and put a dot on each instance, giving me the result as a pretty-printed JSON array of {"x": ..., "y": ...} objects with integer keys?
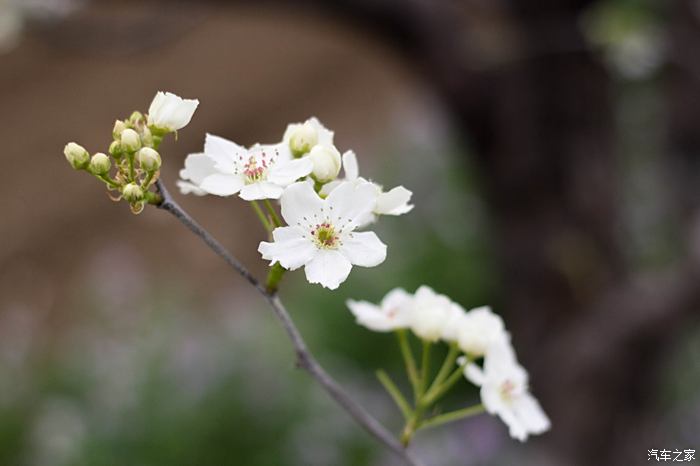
[
  {"x": 147, "y": 137},
  {"x": 302, "y": 139},
  {"x": 326, "y": 162},
  {"x": 149, "y": 159},
  {"x": 119, "y": 127},
  {"x": 136, "y": 118},
  {"x": 130, "y": 140},
  {"x": 76, "y": 155},
  {"x": 132, "y": 193},
  {"x": 100, "y": 164},
  {"x": 115, "y": 149}
]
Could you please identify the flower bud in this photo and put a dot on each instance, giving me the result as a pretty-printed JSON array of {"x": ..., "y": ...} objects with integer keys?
[
  {"x": 149, "y": 159},
  {"x": 130, "y": 140},
  {"x": 119, "y": 127},
  {"x": 136, "y": 118},
  {"x": 115, "y": 149},
  {"x": 302, "y": 139},
  {"x": 326, "y": 160},
  {"x": 100, "y": 164},
  {"x": 76, "y": 155},
  {"x": 132, "y": 193},
  {"x": 146, "y": 137}
]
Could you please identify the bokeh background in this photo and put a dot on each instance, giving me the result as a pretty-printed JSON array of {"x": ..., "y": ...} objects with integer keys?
[{"x": 553, "y": 147}]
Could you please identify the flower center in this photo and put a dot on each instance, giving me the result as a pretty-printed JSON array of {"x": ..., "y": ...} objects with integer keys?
[
  {"x": 254, "y": 173},
  {"x": 325, "y": 236},
  {"x": 507, "y": 389}
]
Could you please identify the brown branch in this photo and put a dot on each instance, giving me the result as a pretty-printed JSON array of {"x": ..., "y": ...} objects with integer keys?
[{"x": 305, "y": 360}]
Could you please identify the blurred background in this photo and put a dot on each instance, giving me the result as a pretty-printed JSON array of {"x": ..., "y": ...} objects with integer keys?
[{"x": 553, "y": 148}]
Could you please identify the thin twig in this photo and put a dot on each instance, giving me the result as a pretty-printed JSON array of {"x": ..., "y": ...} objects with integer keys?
[{"x": 305, "y": 359}]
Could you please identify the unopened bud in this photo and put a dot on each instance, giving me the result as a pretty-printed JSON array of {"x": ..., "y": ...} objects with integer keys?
[
  {"x": 132, "y": 193},
  {"x": 119, "y": 127},
  {"x": 100, "y": 164},
  {"x": 146, "y": 137},
  {"x": 302, "y": 139},
  {"x": 130, "y": 140},
  {"x": 115, "y": 148},
  {"x": 326, "y": 160},
  {"x": 149, "y": 159},
  {"x": 136, "y": 118},
  {"x": 76, "y": 155}
]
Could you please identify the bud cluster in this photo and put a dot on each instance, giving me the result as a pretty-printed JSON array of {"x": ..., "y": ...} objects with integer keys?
[{"x": 132, "y": 163}]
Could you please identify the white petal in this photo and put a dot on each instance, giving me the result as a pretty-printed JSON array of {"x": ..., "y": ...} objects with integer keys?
[
  {"x": 227, "y": 154},
  {"x": 396, "y": 299},
  {"x": 371, "y": 316},
  {"x": 352, "y": 201},
  {"x": 287, "y": 172},
  {"x": 290, "y": 248},
  {"x": 530, "y": 413},
  {"x": 222, "y": 185},
  {"x": 474, "y": 374},
  {"x": 350, "y": 167},
  {"x": 300, "y": 200},
  {"x": 261, "y": 190},
  {"x": 363, "y": 249},
  {"x": 170, "y": 111},
  {"x": 197, "y": 167},
  {"x": 327, "y": 188},
  {"x": 394, "y": 202},
  {"x": 328, "y": 268},
  {"x": 190, "y": 188}
]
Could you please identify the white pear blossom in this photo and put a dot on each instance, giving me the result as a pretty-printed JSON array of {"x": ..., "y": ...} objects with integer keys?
[
  {"x": 261, "y": 172},
  {"x": 429, "y": 312},
  {"x": 504, "y": 392},
  {"x": 169, "y": 112},
  {"x": 480, "y": 329},
  {"x": 453, "y": 323},
  {"x": 321, "y": 235},
  {"x": 393, "y": 202},
  {"x": 300, "y": 138},
  {"x": 391, "y": 314}
]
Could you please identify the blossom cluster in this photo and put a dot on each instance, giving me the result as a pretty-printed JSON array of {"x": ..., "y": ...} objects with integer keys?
[
  {"x": 478, "y": 333},
  {"x": 322, "y": 212},
  {"x": 133, "y": 163}
]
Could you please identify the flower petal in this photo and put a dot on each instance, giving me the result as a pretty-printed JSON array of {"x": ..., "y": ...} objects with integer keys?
[
  {"x": 328, "y": 268},
  {"x": 284, "y": 173},
  {"x": 197, "y": 167},
  {"x": 300, "y": 200},
  {"x": 364, "y": 249},
  {"x": 290, "y": 248},
  {"x": 371, "y": 316},
  {"x": 394, "y": 202},
  {"x": 261, "y": 190},
  {"x": 352, "y": 201},
  {"x": 190, "y": 188},
  {"x": 221, "y": 184},
  {"x": 350, "y": 166},
  {"x": 227, "y": 154}
]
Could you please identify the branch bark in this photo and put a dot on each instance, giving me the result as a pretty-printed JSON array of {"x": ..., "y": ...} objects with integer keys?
[{"x": 305, "y": 359}]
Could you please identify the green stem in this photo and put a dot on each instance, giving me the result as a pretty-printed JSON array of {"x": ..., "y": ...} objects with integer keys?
[
  {"x": 447, "y": 365},
  {"x": 108, "y": 181},
  {"x": 132, "y": 172},
  {"x": 452, "y": 416},
  {"x": 425, "y": 367},
  {"x": 274, "y": 276},
  {"x": 273, "y": 214},
  {"x": 395, "y": 393},
  {"x": 433, "y": 395},
  {"x": 409, "y": 361},
  {"x": 261, "y": 216}
]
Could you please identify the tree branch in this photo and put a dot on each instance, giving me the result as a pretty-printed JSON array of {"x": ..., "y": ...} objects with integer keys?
[{"x": 305, "y": 360}]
